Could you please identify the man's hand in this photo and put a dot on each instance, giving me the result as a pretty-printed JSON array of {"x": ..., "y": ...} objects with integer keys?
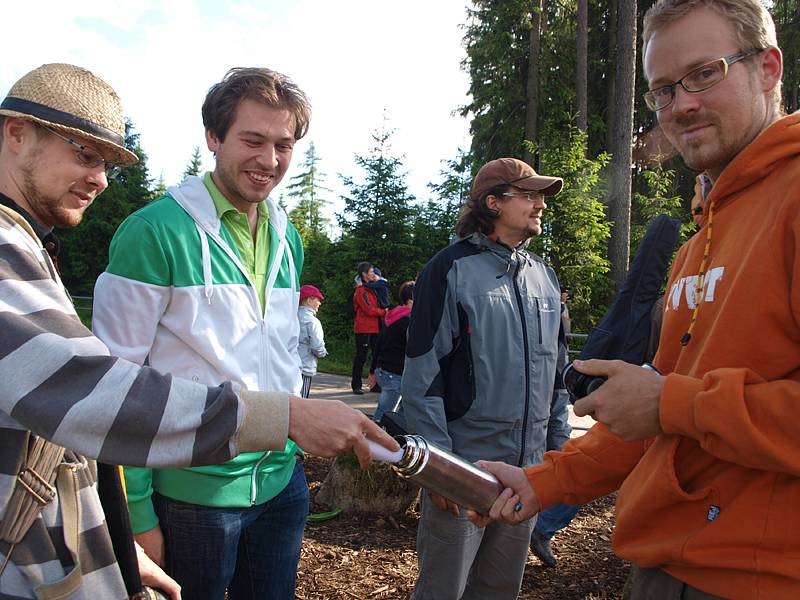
[
  {"x": 516, "y": 504},
  {"x": 371, "y": 381},
  {"x": 152, "y": 575},
  {"x": 330, "y": 427},
  {"x": 628, "y": 403},
  {"x": 444, "y": 504},
  {"x": 152, "y": 542}
]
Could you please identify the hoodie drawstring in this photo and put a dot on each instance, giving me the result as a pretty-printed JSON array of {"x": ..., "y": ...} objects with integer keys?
[{"x": 208, "y": 281}]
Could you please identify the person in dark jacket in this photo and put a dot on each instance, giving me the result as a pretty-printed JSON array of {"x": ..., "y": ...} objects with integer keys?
[
  {"x": 390, "y": 351},
  {"x": 380, "y": 285},
  {"x": 366, "y": 324},
  {"x": 479, "y": 372}
]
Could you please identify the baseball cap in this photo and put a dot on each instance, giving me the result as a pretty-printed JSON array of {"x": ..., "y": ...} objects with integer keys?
[
  {"x": 310, "y": 291},
  {"x": 512, "y": 171}
]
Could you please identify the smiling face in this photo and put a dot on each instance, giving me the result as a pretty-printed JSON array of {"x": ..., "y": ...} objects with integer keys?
[
  {"x": 520, "y": 215},
  {"x": 709, "y": 128},
  {"x": 52, "y": 184},
  {"x": 255, "y": 154}
]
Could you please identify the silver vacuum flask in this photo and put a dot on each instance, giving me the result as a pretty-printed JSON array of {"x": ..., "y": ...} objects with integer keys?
[{"x": 446, "y": 474}]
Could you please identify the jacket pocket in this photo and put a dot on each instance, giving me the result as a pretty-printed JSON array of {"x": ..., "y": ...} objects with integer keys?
[{"x": 548, "y": 321}]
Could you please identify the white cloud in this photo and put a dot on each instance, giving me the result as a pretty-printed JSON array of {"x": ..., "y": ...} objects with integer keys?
[{"x": 355, "y": 59}]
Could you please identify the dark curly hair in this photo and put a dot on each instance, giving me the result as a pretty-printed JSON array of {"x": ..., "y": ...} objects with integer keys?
[{"x": 476, "y": 217}]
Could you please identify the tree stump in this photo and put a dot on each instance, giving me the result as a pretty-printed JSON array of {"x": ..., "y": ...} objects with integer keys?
[{"x": 378, "y": 491}]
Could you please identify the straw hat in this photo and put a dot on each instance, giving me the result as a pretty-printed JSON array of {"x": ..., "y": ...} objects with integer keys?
[{"x": 75, "y": 102}]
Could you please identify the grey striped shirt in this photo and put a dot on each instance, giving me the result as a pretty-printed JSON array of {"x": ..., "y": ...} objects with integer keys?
[{"x": 58, "y": 381}]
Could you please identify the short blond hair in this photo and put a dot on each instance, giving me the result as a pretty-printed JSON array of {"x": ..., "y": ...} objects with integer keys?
[{"x": 751, "y": 21}]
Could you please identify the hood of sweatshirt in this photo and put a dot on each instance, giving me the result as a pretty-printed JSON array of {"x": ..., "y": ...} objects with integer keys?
[
  {"x": 777, "y": 143},
  {"x": 397, "y": 313}
]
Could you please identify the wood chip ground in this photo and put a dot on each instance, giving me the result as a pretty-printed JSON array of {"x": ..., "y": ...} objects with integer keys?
[{"x": 356, "y": 557}]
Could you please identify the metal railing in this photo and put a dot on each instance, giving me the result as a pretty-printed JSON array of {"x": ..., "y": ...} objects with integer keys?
[{"x": 576, "y": 342}]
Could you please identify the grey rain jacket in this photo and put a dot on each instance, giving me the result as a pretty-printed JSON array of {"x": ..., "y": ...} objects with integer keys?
[
  {"x": 481, "y": 354},
  {"x": 311, "y": 342}
]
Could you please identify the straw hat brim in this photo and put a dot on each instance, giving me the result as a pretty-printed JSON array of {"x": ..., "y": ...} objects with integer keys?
[{"x": 118, "y": 154}]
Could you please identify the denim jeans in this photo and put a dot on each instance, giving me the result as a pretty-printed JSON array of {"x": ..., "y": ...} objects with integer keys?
[
  {"x": 390, "y": 391},
  {"x": 252, "y": 552},
  {"x": 554, "y": 518}
]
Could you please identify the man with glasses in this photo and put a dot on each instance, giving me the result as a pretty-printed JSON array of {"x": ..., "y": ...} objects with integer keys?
[
  {"x": 706, "y": 455},
  {"x": 479, "y": 372},
  {"x": 64, "y": 530}
]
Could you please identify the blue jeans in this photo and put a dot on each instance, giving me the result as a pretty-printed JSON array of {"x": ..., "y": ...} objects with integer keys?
[
  {"x": 390, "y": 391},
  {"x": 252, "y": 552},
  {"x": 554, "y": 518}
]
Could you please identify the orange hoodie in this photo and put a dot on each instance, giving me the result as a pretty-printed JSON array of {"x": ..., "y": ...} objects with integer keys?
[{"x": 715, "y": 499}]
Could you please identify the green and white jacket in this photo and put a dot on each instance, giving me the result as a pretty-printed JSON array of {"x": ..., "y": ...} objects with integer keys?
[{"x": 176, "y": 296}]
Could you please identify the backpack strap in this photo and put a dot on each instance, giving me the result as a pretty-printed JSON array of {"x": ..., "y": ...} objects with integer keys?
[{"x": 44, "y": 476}]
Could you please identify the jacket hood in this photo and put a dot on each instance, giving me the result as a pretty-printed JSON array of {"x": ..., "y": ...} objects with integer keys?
[
  {"x": 193, "y": 196},
  {"x": 778, "y": 142},
  {"x": 397, "y": 313}
]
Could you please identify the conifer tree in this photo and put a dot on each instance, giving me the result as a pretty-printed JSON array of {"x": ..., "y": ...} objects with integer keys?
[
  {"x": 376, "y": 221},
  {"x": 195, "y": 164},
  {"x": 308, "y": 191}
]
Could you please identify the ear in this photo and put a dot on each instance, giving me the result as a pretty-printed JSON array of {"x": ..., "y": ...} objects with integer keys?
[
  {"x": 771, "y": 63},
  {"x": 15, "y": 133},
  {"x": 212, "y": 141},
  {"x": 493, "y": 202}
]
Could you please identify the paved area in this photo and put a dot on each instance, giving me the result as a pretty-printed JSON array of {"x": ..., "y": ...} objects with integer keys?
[{"x": 337, "y": 387}]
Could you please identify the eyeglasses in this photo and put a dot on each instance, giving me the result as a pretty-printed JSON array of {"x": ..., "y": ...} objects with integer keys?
[
  {"x": 88, "y": 157},
  {"x": 697, "y": 80},
  {"x": 529, "y": 196}
]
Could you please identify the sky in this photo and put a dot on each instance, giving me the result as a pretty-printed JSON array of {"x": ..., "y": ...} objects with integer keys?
[{"x": 362, "y": 63}]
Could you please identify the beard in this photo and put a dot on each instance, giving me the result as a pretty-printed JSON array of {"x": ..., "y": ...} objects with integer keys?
[{"x": 46, "y": 209}]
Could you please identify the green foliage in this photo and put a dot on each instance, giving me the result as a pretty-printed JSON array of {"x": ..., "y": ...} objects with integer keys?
[
  {"x": 84, "y": 253},
  {"x": 376, "y": 222},
  {"x": 306, "y": 188},
  {"x": 435, "y": 220},
  {"x": 575, "y": 231},
  {"x": 787, "y": 21},
  {"x": 496, "y": 41},
  {"x": 195, "y": 164},
  {"x": 659, "y": 199}
]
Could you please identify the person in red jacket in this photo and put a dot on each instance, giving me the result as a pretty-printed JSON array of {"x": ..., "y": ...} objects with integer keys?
[
  {"x": 366, "y": 323},
  {"x": 705, "y": 455}
]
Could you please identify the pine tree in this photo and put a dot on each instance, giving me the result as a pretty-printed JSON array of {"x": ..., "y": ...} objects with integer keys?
[
  {"x": 376, "y": 222},
  {"x": 435, "y": 221},
  {"x": 195, "y": 164},
  {"x": 306, "y": 188},
  {"x": 159, "y": 187}
]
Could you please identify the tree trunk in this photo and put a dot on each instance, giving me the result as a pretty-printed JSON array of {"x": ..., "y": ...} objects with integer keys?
[
  {"x": 532, "y": 84},
  {"x": 581, "y": 64},
  {"x": 611, "y": 92},
  {"x": 619, "y": 204}
]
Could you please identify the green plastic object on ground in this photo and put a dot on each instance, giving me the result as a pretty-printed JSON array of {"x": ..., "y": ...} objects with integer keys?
[{"x": 324, "y": 516}]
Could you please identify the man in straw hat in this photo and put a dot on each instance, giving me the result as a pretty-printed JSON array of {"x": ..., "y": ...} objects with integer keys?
[
  {"x": 706, "y": 455},
  {"x": 479, "y": 371},
  {"x": 64, "y": 398},
  {"x": 208, "y": 278}
]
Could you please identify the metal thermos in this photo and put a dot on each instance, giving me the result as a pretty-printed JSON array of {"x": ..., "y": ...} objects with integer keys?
[{"x": 446, "y": 474}]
